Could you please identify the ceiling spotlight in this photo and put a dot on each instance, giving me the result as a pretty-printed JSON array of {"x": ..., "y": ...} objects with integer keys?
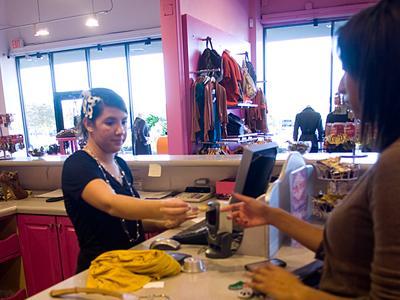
[
  {"x": 92, "y": 21},
  {"x": 41, "y": 31}
]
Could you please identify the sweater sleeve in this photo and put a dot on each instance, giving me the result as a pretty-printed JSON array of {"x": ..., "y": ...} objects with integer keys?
[
  {"x": 195, "y": 110},
  {"x": 320, "y": 129},
  {"x": 78, "y": 170},
  {"x": 296, "y": 128},
  {"x": 385, "y": 211}
]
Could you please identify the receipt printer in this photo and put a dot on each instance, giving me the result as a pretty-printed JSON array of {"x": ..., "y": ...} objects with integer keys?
[{"x": 220, "y": 237}]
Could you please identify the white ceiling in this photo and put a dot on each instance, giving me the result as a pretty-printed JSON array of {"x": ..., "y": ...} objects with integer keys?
[{"x": 126, "y": 15}]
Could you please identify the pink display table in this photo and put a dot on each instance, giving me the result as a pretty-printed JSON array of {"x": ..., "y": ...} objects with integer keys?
[{"x": 72, "y": 141}]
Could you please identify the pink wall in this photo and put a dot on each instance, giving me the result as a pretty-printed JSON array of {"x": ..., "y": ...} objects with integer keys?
[
  {"x": 181, "y": 48},
  {"x": 256, "y": 37},
  {"x": 230, "y": 16},
  {"x": 227, "y": 22},
  {"x": 281, "y": 12},
  {"x": 171, "y": 32},
  {"x": 193, "y": 31}
]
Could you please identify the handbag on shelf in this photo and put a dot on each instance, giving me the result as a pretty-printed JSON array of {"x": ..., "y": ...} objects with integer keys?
[
  {"x": 235, "y": 125},
  {"x": 250, "y": 68},
  {"x": 210, "y": 59}
]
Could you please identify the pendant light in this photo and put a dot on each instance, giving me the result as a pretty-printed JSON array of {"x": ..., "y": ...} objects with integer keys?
[
  {"x": 38, "y": 28},
  {"x": 92, "y": 21}
]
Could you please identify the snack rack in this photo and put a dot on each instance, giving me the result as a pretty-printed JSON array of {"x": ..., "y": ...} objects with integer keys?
[
  {"x": 9, "y": 143},
  {"x": 340, "y": 178}
]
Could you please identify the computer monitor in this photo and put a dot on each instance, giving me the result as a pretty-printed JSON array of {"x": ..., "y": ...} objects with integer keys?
[
  {"x": 255, "y": 169},
  {"x": 252, "y": 180}
]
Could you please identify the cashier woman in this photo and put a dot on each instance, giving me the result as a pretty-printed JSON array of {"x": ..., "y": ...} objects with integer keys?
[
  {"x": 361, "y": 240},
  {"x": 100, "y": 200}
]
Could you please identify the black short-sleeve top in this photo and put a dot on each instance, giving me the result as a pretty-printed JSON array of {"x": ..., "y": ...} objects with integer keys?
[{"x": 96, "y": 230}]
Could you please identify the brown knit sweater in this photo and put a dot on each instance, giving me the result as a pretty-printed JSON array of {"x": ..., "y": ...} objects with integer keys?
[{"x": 362, "y": 236}]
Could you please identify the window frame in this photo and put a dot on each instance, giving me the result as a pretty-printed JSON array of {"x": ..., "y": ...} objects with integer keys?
[
  {"x": 57, "y": 96},
  {"x": 316, "y": 22}
]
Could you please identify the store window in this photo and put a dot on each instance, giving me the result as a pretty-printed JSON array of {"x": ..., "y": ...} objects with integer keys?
[
  {"x": 301, "y": 68},
  {"x": 37, "y": 93},
  {"x": 106, "y": 63},
  {"x": 337, "y": 70},
  {"x": 148, "y": 89},
  {"x": 108, "y": 69},
  {"x": 133, "y": 70},
  {"x": 70, "y": 71}
]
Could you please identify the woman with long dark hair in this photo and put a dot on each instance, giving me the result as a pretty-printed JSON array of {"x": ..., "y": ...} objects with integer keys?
[{"x": 361, "y": 239}]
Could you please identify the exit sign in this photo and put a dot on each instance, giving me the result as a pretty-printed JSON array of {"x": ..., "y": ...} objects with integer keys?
[{"x": 17, "y": 43}]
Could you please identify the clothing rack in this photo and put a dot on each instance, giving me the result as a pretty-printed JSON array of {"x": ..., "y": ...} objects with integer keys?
[
  {"x": 248, "y": 135},
  {"x": 205, "y": 70},
  {"x": 208, "y": 38},
  {"x": 237, "y": 140},
  {"x": 247, "y": 105},
  {"x": 243, "y": 140},
  {"x": 243, "y": 53},
  {"x": 242, "y": 105}
]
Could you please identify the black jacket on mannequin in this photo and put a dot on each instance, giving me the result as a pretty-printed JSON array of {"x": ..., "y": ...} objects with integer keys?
[
  {"x": 309, "y": 121},
  {"x": 141, "y": 132}
]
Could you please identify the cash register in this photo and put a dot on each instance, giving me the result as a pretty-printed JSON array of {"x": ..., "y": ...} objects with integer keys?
[{"x": 252, "y": 179}]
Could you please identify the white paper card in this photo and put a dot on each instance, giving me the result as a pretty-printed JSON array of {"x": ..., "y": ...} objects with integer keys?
[
  {"x": 154, "y": 170},
  {"x": 154, "y": 285},
  {"x": 55, "y": 193}
]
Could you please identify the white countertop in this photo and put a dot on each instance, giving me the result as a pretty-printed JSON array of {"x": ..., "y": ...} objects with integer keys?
[
  {"x": 183, "y": 160},
  {"x": 209, "y": 285},
  {"x": 212, "y": 284},
  {"x": 32, "y": 205}
]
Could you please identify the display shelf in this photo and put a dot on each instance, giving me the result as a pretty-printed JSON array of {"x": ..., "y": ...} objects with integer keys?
[
  {"x": 12, "y": 284},
  {"x": 340, "y": 178},
  {"x": 9, "y": 248},
  {"x": 9, "y": 143},
  {"x": 19, "y": 295}
]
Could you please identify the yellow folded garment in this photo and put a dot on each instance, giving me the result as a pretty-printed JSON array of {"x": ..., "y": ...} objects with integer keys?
[{"x": 130, "y": 270}]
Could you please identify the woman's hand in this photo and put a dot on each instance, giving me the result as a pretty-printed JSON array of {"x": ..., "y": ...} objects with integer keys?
[
  {"x": 172, "y": 223},
  {"x": 276, "y": 282},
  {"x": 249, "y": 212},
  {"x": 174, "y": 209}
]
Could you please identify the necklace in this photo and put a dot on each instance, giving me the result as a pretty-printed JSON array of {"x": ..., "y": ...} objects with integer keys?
[{"x": 124, "y": 182}]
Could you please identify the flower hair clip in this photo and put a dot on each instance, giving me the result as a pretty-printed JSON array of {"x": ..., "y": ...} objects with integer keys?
[{"x": 89, "y": 102}]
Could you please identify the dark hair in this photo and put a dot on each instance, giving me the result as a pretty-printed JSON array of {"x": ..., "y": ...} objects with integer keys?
[
  {"x": 108, "y": 98},
  {"x": 369, "y": 46}
]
